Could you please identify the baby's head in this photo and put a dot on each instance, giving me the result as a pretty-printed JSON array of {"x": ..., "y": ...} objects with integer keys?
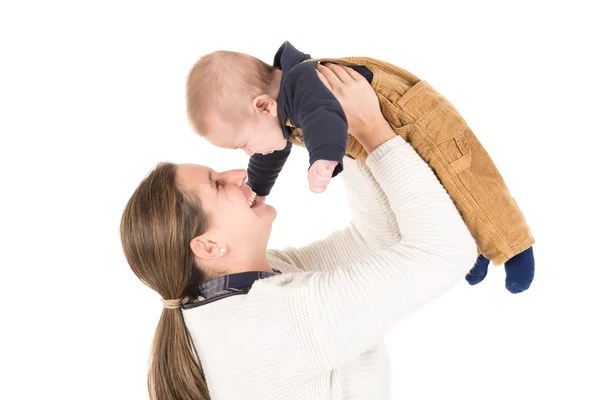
[{"x": 232, "y": 102}]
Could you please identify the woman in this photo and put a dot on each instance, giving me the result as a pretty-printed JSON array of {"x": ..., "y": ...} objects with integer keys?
[{"x": 246, "y": 323}]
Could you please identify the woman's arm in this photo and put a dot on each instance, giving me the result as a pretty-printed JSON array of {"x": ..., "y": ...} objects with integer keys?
[
  {"x": 372, "y": 225},
  {"x": 337, "y": 315}
]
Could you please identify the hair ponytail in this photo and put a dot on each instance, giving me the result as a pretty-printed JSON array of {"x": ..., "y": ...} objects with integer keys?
[{"x": 157, "y": 226}]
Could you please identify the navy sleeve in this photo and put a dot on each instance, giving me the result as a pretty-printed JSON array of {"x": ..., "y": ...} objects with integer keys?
[
  {"x": 317, "y": 112},
  {"x": 263, "y": 170}
]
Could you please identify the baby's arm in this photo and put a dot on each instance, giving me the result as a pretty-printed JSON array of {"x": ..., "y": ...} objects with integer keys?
[
  {"x": 318, "y": 113},
  {"x": 263, "y": 170}
]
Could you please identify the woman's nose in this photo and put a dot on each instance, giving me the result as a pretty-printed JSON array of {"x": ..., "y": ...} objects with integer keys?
[{"x": 237, "y": 177}]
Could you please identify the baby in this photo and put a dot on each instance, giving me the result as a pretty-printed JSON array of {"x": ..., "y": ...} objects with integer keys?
[{"x": 237, "y": 101}]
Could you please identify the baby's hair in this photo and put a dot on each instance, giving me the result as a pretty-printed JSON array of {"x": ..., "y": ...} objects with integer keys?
[{"x": 221, "y": 84}]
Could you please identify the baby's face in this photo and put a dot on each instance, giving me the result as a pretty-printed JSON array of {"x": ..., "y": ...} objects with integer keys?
[{"x": 263, "y": 136}]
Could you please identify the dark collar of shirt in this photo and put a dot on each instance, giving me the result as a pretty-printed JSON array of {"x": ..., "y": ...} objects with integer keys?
[
  {"x": 286, "y": 58},
  {"x": 238, "y": 283}
]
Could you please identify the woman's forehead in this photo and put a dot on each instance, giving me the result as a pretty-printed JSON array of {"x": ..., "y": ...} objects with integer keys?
[{"x": 191, "y": 175}]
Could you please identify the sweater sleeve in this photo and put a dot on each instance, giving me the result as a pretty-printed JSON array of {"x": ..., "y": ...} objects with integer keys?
[
  {"x": 339, "y": 314},
  {"x": 373, "y": 227}
]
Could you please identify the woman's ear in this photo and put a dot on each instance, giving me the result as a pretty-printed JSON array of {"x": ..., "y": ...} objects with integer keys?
[
  {"x": 207, "y": 248},
  {"x": 265, "y": 104}
]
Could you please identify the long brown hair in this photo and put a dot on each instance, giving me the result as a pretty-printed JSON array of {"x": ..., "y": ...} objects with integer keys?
[{"x": 157, "y": 226}]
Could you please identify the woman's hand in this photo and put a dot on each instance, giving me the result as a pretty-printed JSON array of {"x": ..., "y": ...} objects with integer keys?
[{"x": 360, "y": 104}]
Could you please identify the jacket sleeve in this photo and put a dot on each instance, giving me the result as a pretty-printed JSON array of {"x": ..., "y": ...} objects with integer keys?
[
  {"x": 315, "y": 110},
  {"x": 263, "y": 170}
]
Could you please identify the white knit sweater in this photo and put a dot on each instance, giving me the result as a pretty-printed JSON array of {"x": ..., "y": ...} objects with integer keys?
[{"x": 316, "y": 331}]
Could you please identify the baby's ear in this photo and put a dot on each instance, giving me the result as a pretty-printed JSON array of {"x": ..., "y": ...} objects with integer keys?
[{"x": 265, "y": 104}]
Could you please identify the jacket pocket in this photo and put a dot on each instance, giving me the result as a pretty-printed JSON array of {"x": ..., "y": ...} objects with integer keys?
[{"x": 456, "y": 152}]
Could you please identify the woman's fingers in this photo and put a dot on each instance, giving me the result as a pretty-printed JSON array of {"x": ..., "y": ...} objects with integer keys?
[
  {"x": 323, "y": 79},
  {"x": 353, "y": 74},
  {"x": 334, "y": 81},
  {"x": 336, "y": 76},
  {"x": 340, "y": 72}
]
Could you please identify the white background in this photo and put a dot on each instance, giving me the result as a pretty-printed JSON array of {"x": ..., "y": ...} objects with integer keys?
[{"x": 92, "y": 96}]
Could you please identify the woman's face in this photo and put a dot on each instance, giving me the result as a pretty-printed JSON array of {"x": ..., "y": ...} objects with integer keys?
[{"x": 235, "y": 219}]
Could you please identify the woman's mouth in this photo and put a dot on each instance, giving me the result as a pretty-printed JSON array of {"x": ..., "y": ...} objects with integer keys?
[
  {"x": 252, "y": 199},
  {"x": 257, "y": 202}
]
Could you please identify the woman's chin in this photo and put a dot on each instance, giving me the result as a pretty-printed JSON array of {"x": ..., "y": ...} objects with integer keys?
[{"x": 264, "y": 211}]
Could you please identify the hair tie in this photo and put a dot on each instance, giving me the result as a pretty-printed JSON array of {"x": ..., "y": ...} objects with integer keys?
[{"x": 172, "y": 304}]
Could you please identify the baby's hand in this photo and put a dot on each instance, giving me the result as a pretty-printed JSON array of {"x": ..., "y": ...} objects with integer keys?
[{"x": 319, "y": 175}]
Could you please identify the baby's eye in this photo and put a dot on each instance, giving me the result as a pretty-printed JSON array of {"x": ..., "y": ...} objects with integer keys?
[{"x": 219, "y": 184}]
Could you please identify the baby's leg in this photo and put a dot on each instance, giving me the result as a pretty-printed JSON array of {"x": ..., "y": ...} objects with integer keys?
[{"x": 479, "y": 271}]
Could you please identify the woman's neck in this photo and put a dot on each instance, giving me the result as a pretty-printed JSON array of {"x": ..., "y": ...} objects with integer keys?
[
  {"x": 258, "y": 264},
  {"x": 227, "y": 266}
]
